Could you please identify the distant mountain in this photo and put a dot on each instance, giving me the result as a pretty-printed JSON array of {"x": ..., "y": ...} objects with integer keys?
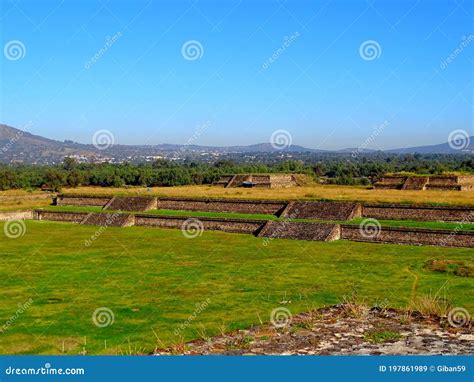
[
  {"x": 17, "y": 146},
  {"x": 464, "y": 145}
]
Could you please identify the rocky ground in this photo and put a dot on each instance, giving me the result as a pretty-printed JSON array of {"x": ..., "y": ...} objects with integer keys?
[{"x": 340, "y": 330}]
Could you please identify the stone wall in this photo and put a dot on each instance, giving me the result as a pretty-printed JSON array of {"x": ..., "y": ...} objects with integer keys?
[
  {"x": 16, "y": 215},
  {"x": 71, "y": 217},
  {"x": 322, "y": 210},
  {"x": 81, "y": 200},
  {"x": 271, "y": 229},
  {"x": 136, "y": 203},
  {"x": 300, "y": 231},
  {"x": 109, "y": 219},
  {"x": 222, "y": 205},
  {"x": 220, "y": 224},
  {"x": 410, "y": 236},
  {"x": 416, "y": 212}
]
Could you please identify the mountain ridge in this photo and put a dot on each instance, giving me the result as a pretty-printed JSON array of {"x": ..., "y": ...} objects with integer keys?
[{"x": 21, "y": 146}]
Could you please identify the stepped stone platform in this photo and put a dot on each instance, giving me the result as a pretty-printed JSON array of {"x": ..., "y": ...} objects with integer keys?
[
  {"x": 322, "y": 210},
  {"x": 261, "y": 228},
  {"x": 293, "y": 210},
  {"x": 300, "y": 231},
  {"x": 261, "y": 181},
  {"x": 136, "y": 203},
  {"x": 109, "y": 220},
  {"x": 436, "y": 182}
]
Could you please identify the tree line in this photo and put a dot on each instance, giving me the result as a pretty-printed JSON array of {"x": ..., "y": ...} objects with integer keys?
[{"x": 339, "y": 169}]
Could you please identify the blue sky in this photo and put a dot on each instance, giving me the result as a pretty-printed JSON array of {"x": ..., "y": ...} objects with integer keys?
[{"x": 321, "y": 86}]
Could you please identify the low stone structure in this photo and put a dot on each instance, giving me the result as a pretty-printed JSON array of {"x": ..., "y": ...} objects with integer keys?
[
  {"x": 135, "y": 203},
  {"x": 300, "y": 231},
  {"x": 418, "y": 212},
  {"x": 270, "y": 229},
  {"x": 81, "y": 200},
  {"x": 185, "y": 223},
  {"x": 322, "y": 210},
  {"x": 257, "y": 180},
  {"x": 438, "y": 237},
  {"x": 16, "y": 215},
  {"x": 271, "y": 207},
  {"x": 436, "y": 182},
  {"x": 109, "y": 220},
  {"x": 295, "y": 209}
]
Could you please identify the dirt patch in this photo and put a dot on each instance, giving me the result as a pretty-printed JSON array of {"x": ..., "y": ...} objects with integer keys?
[
  {"x": 340, "y": 330},
  {"x": 457, "y": 268}
]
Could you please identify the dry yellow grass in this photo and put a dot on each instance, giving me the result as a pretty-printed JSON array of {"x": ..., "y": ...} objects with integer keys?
[
  {"x": 308, "y": 192},
  {"x": 19, "y": 199}
]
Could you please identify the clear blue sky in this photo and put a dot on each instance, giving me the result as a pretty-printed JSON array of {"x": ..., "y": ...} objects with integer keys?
[{"x": 319, "y": 87}]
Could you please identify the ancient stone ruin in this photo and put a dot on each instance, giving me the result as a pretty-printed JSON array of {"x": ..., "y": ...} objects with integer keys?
[
  {"x": 260, "y": 181},
  {"x": 438, "y": 182}
]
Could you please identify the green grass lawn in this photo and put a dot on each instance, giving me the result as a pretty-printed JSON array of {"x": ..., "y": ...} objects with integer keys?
[{"x": 162, "y": 286}]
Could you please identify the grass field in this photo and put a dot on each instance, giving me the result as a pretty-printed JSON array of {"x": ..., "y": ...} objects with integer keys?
[
  {"x": 164, "y": 288},
  {"x": 313, "y": 192}
]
